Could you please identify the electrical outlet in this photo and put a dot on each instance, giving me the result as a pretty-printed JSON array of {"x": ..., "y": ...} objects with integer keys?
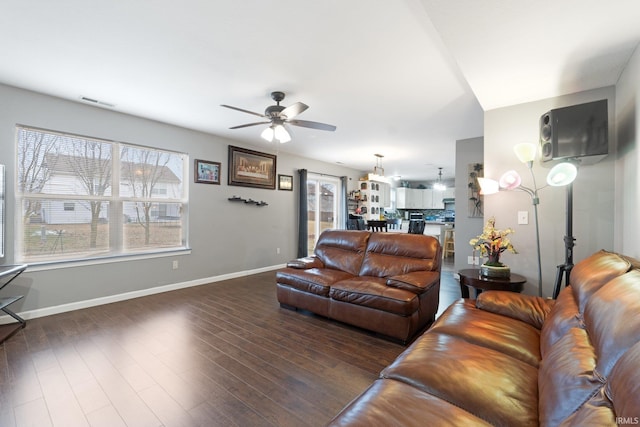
[
  {"x": 473, "y": 260},
  {"x": 175, "y": 264},
  {"x": 523, "y": 217},
  {"x": 278, "y": 251}
]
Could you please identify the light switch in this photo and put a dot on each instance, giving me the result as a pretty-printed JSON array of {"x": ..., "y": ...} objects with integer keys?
[{"x": 523, "y": 217}]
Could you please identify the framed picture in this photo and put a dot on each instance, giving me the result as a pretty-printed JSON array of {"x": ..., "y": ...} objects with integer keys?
[
  {"x": 476, "y": 199},
  {"x": 248, "y": 168},
  {"x": 206, "y": 172},
  {"x": 285, "y": 182}
]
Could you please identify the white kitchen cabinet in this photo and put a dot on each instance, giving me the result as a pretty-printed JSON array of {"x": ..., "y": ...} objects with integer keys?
[
  {"x": 450, "y": 193},
  {"x": 415, "y": 198},
  {"x": 401, "y": 198},
  {"x": 385, "y": 195},
  {"x": 436, "y": 199}
]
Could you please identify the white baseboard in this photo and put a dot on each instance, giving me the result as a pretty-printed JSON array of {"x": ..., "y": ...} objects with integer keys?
[{"x": 48, "y": 311}]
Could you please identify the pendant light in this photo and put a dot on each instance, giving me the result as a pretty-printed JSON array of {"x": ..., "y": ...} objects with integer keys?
[
  {"x": 378, "y": 170},
  {"x": 439, "y": 185}
]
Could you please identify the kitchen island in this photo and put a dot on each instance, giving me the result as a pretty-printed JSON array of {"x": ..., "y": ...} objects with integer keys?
[{"x": 431, "y": 228}]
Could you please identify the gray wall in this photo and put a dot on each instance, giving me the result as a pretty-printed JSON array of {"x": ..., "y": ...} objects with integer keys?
[
  {"x": 593, "y": 191},
  {"x": 627, "y": 231},
  {"x": 468, "y": 151},
  {"x": 225, "y": 238}
]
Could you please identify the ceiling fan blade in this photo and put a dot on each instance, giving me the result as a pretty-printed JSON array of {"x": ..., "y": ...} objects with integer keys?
[
  {"x": 312, "y": 125},
  {"x": 249, "y": 124},
  {"x": 244, "y": 111},
  {"x": 293, "y": 110}
]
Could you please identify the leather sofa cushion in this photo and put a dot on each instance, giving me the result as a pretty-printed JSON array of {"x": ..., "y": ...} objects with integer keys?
[
  {"x": 528, "y": 308},
  {"x": 612, "y": 319},
  {"x": 417, "y": 282},
  {"x": 491, "y": 385},
  {"x": 306, "y": 262},
  {"x": 623, "y": 385},
  {"x": 563, "y": 316},
  {"x": 395, "y": 403},
  {"x": 374, "y": 293},
  {"x": 489, "y": 330},
  {"x": 592, "y": 273},
  {"x": 577, "y": 365},
  {"x": 342, "y": 249},
  {"x": 393, "y": 254},
  {"x": 314, "y": 280},
  {"x": 567, "y": 378}
]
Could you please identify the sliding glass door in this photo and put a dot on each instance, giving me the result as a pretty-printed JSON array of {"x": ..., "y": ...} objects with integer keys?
[{"x": 324, "y": 195}]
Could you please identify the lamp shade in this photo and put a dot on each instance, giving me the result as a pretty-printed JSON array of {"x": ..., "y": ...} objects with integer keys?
[
  {"x": 267, "y": 134},
  {"x": 488, "y": 186},
  {"x": 281, "y": 134},
  {"x": 562, "y": 174},
  {"x": 525, "y": 151},
  {"x": 510, "y": 180}
]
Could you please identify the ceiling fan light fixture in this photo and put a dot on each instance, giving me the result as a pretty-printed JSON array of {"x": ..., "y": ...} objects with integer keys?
[
  {"x": 277, "y": 115},
  {"x": 268, "y": 134},
  {"x": 281, "y": 134}
]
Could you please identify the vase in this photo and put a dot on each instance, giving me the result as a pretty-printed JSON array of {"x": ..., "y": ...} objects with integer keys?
[{"x": 495, "y": 272}]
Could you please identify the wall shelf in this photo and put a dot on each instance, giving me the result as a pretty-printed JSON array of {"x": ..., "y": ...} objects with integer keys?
[{"x": 248, "y": 201}]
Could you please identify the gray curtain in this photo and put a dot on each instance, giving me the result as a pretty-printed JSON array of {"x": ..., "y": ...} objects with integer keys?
[
  {"x": 303, "y": 219},
  {"x": 344, "y": 203}
]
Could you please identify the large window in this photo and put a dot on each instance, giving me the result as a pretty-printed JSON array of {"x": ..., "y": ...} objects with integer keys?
[{"x": 80, "y": 198}]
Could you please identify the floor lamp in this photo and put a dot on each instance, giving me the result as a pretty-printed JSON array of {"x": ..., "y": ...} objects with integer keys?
[
  {"x": 560, "y": 175},
  {"x": 511, "y": 180}
]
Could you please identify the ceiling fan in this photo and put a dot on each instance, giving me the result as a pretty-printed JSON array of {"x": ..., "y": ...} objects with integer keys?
[{"x": 277, "y": 116}]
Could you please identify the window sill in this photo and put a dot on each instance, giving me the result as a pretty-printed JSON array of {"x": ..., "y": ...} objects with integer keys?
[{"x": 53, "y": 265}]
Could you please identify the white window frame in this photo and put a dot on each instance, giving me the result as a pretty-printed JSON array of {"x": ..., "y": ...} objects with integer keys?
[{"x": 116, "y": 202}]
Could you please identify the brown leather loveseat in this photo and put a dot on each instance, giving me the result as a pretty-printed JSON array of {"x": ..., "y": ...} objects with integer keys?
[
  {"x": 388, "y": 283},
  {"x": 508, "y": 359}
]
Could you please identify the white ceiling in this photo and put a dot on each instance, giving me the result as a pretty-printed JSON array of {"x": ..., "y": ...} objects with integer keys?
[{"x": 405, "y": 79}]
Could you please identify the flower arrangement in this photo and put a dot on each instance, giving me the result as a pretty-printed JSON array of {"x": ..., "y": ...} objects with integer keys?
[{"x": 491, "y": 243}]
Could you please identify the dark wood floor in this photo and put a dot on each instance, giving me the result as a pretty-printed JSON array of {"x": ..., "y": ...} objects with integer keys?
[{"x": 223, "y": 354}]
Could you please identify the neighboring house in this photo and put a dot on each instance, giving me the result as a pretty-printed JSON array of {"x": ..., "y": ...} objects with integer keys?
[
  {"x": 327, "y": 202},
  {"x": 136, "y": 181}
]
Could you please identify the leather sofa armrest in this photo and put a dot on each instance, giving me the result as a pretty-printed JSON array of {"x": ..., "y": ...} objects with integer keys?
[
  {"x": 416, "y": 281},
  {"x": 305, "y": 263},
  {"x": 527, "y": 308}
]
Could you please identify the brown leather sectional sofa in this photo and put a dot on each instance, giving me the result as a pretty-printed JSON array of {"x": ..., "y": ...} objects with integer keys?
[
  {"x": 509, "y": 359},
  {"x": 388, "y": 283}
]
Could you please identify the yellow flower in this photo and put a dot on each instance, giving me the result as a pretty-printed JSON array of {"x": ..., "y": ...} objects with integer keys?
[{"x": 492, "y": 242}]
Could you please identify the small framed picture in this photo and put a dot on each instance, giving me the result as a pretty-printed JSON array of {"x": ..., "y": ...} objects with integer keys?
[
  {"x": 285, "y": 182},
  {"x": 207, "y": 172}
]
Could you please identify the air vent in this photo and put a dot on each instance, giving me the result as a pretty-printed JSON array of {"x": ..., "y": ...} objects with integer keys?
[{"x": 97, "y": 102}]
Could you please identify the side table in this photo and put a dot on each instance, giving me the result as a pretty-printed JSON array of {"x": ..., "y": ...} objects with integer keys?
[
  {"x": 471, "y": 277},
  {"x": 10, "y": 272}
]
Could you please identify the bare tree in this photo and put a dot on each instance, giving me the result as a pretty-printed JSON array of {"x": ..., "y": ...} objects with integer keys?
[
  {"x": 90, "y": 162},
  {"x": 35, "y": 151},
  {"x": 143, "y": 168}
]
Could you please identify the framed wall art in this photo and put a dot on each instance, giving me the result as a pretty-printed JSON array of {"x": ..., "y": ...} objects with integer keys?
[
  {"x": 207, "y": 172},
  {"x": 476, "y": 199},
  {"x": 248, "y": 168},
  {"x": 285, "y": 182}
]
